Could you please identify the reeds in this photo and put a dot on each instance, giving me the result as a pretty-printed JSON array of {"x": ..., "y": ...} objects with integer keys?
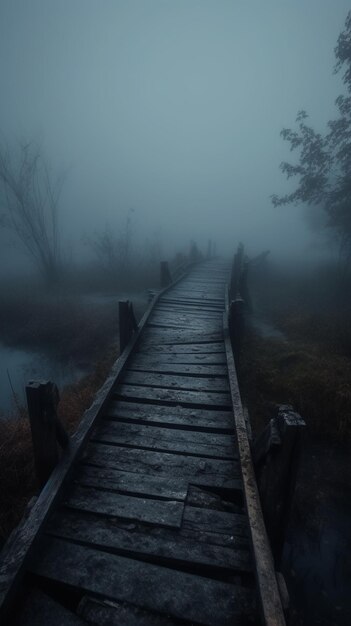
[{"x": 17, "y": 477}]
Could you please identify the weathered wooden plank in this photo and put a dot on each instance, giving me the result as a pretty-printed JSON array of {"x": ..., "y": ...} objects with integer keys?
[
  {"x": 189, "y": 307},
  {"x": 268, "y": 592},
  {"x": 199, "y": 294},
  {"x": 200, "y": 497},
  {"x": 189, "y": 532},
  {"x": 227, "y": 540},
  {"x": 174, "y": 299},
  {"x": 107, "y": 613},
  {"x": 178, "y": 326},
  {"x": 179, "y": 368},
  {"x": 23, "y": 539},
  {"x": 192, "y": 313},
  {"x": 165, "y": 439},
  {"x": 39, "y": 609},
  {"x": 173, "y": 381},
  {"x": 178, "y": 335},
  {"x": 172, "y": 396},
  {"x": 42, "y": 399},
  {"x": 182, "y": 332},
  {"x": 203, "y": 471},
  {"x": 161, "y": 512},
  {"x": 200, "y": 318},
  {"x": 191, "y": 359},
  {"x": 186, "y": 348},
  {"x": 210, "y": 520},
  {"x": 178, "y": 416},
  {"x": 198, "y": 298},
  {"x": 211, "y": 287},
  {"x": 168, "y": 591},
  {"x": 191, "y": 303},
  {"x": 132, "y": 483},
  {"x": 176, "y": 317},
  {"x": 157, "y": 544},
  {"x": 193, "y": 316}
]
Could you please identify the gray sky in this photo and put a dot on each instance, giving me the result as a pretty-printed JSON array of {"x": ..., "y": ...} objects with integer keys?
[{"x": 172, "y": 107}]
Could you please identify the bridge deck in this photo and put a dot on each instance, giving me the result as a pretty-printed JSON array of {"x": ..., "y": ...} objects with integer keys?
[{"x": 151, "y": 528}]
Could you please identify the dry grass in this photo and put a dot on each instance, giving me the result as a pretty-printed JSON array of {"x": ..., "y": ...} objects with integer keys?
[
  {"x": 67, "y": 328},
  {"x": 17, "y": 482},
  {"x": 317, "y": 382},
  {"x": 17, "y": 478}
]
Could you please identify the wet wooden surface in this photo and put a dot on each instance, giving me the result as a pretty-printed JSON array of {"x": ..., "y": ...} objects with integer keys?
[{"x": 151, "y": 526}]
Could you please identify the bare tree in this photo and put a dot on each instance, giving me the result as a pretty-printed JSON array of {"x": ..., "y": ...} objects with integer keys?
[
  {"x": 30, "y": 203},
  {"x": 112, "y": 251}
]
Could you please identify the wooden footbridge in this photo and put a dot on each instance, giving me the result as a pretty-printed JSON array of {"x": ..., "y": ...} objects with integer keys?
[{"x": 152, "y": 515}]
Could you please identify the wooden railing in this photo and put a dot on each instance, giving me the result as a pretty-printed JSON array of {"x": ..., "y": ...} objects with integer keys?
[
  {"x": 57, "y": 472},
  {"x": 237, "y": 290},
  {"x": 268, "y": 463},
  {"x": 48, "y": 433},
  {"x": 49, "y": 437}
]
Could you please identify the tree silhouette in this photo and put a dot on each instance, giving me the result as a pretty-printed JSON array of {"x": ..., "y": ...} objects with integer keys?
[
  {"x": 323, "y": 169},
  {"x": 30, "y": 207}
]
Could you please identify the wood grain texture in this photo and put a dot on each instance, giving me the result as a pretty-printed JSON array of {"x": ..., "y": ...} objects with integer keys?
[
  {"x": 176, "y": 416},
  {"x": 167, "y": 591},
  {"x": 175, "y": 381},
  {"x": 23, "y": 540},
  {"x": 158, "y": 545},
  {"x": 166, "y": 439},
  {"x": 131, "y": 482},
  {"x": 193, "y": 348},
  {"x": 158, "y": 395},
  {"x": 107, "y": 613},
  {"x": 203, "y": 471},
  {"x": 112, "y": 504},
  {"x": 184, "y": 369},
  {"x": 270, "y": 602}
]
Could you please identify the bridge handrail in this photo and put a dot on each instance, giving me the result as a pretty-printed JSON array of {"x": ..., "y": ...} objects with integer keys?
[
  {"x": 24, "y": 538},
  {"x": 269, "y": 597}
]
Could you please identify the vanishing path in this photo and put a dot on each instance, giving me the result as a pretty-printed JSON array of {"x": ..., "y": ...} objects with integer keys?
[{"x": 151, "y": 528}]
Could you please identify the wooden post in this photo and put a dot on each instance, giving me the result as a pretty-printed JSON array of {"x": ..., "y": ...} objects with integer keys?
[
  {"x": 243, "y": 286},
  {"x": 127, "y": 323},
  {"x": 47, "y": 430},
  {"x": 123, "y": 310},
  {"x": 166, "y": 278},
  {"x": 276, "y": 455},
  {"x": 236, "y": 325},
  {"x": 237, "y": 268},
  {"x": 233, "y": 278}
]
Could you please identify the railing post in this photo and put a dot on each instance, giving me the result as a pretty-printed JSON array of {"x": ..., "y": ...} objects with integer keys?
[
  {"x": 47, "y": 430},
  {"x": 236, "y": 325},
  {"x": 127, "y": 323},
  {"x": 243, "y": 286},
  {"x": 276, "y": 453},
  {"x": 165, "y": 274},
  {"x": 237, "y": 268}
]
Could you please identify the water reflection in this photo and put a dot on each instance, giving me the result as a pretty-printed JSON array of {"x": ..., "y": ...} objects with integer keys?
[
  {"x": 17, "y": 367},
  {"x": 317, "y": 564}
]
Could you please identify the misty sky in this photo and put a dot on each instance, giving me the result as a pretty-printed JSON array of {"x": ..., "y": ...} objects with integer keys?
[{"x": 171, "y": 107}]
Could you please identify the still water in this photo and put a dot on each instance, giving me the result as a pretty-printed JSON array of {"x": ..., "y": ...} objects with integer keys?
[
  {"x": 17, "y": 367},
  {"x": 317, "y": 564}
]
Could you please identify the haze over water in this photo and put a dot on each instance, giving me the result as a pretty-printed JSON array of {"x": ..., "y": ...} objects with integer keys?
[{"x": 173, "y": 109}]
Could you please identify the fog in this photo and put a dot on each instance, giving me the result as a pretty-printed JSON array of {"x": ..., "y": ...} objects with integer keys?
[{"x": 173, "y": 109}]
